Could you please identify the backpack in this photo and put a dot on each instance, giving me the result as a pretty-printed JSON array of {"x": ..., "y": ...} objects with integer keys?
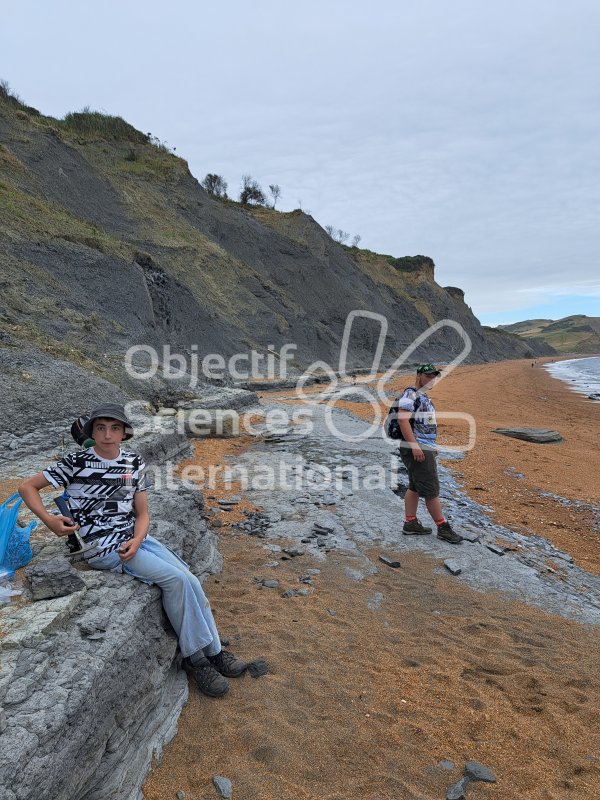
[
  {"x": 391, "y": 426},
  {"x": 77, "y": 431}
]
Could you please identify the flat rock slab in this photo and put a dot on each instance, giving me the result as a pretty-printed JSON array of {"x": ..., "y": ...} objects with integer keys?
[
  {"x": 53, "y": 578},
  {"x": 499, "y": 551},
  {"x": 535, "y": 435},
  {"x": 457, "y": 790},
  {"x": 390, "y": 562},
  {"x": 453, "y": 567},
  {"x": 477, "y": 772}
]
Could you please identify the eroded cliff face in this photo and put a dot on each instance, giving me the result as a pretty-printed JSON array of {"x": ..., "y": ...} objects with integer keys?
[{"x": 110, "y": 242}]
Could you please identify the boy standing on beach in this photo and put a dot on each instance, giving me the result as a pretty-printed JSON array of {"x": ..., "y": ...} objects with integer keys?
[
  {"x": 416, "y": 419},
  {"x": 108, "y": 500}
]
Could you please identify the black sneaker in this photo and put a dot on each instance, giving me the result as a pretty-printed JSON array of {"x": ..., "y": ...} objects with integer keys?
[
  {"x": 414, "y": 526},
  {"x": 445, "y": 532},
  {"x": 227, "y": 664},
  {"x": 209, "y": 680}
]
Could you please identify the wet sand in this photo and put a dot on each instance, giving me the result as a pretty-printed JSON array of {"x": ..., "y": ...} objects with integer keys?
[{"x": 371, "y": 683}]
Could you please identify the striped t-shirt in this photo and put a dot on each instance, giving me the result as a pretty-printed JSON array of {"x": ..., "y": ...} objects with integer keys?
[{"x": 100, "y": 493}]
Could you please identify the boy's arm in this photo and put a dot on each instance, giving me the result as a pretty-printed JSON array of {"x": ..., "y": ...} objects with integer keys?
[
  {"x": 140, "y": 528},
  {"x": 30, "y": 492},
  {"x": 408, "y": 434}
]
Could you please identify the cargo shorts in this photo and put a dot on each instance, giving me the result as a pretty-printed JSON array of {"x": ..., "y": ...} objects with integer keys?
[{"x": 422, "y": 475}]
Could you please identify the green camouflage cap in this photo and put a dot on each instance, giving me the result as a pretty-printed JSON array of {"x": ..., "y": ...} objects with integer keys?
[{"x": 427, "y": 369}]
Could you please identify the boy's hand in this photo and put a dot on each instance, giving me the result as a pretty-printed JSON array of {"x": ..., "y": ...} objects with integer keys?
[
  {"x": 61, "y": 526},
  {"x": 418, "y": 454},
  {"x": 129, "y": 548}
]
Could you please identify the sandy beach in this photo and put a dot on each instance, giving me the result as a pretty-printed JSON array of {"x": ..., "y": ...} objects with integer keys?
[{"x": 373, "y": 683}]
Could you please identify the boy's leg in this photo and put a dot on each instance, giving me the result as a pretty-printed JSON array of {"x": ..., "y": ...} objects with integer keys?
[
  {"x": 435, "y": 509},
  {"x": 412, "y": 526},
  {"x": 183, "y": 598},
  {"x": 411, "y": 503}
]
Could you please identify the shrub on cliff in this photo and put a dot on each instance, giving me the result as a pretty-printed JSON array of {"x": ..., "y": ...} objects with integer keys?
[
  {"x": 215, "y": 185},
  {"x": 251, "y": 193}
]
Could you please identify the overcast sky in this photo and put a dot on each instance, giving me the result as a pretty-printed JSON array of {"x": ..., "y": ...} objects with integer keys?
[{"x": 466, "y": 131}]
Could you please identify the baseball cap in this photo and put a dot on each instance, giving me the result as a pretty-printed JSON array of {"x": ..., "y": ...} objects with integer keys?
[
  {"x": 427, "y": 369},
  {"x": 109, "y": 411}
]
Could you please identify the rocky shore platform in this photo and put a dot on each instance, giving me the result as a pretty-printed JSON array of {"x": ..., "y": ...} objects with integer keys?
[{"x": 394, "y": 661}]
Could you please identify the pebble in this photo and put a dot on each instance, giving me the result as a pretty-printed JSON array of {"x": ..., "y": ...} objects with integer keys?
[
  {"x": 446, "y": 764},
  {"x": 457, "y": 790},
  {"x": 477, "y": 772},
  {"x": 331, "y": 612},
  {"x": 452, "y": 566},
  {"x": 293, "y": 551},
  {"x": 375, "y": 601},
  {"x": 223, "y": 786},
  {"x": 328, "y": 500},
  {"x": 270, "y": 584},
  {"x": 258, "y": 668},
  {"x": 390, "y": 562},
  {"x": 180, "y": 794},
  {"x": 324, "y": 529}
]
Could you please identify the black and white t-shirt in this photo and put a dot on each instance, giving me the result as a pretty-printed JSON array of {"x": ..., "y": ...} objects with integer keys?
[
  {"x": 423, "y": 414},
  {"x": 100, "y": 492}
]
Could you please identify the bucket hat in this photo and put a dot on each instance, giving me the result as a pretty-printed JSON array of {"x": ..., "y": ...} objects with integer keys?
[{"x": 109, "y": 411}]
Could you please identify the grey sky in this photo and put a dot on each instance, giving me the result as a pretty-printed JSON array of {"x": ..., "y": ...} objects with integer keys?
[{"x": 464, "y": 131}]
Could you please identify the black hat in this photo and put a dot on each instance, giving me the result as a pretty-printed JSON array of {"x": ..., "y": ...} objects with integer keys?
[
  {"x": 109, "y": 411},
  {"x": 427, "y": 369}
]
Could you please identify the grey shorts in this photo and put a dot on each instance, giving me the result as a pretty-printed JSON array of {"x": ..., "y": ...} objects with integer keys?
[{"x": 422, "y": 475}]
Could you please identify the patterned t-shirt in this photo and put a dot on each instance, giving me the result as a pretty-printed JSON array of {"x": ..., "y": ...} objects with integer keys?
[
  {"x": 425, "y": 427},
  {"x": 100, "y": 493}
]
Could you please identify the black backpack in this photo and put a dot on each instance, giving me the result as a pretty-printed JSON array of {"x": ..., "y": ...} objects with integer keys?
[{"x": 391, "y": 426}]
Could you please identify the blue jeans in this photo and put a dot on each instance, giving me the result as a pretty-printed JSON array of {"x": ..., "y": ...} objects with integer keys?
[{"x": 183, "y": 598}]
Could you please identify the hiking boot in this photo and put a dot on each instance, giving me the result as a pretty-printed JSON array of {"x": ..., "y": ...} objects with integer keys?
[
  {"x": 227, "y": 664},
  {"x": 445, "y": 532},
  {"x": 209, "y": 680},
  {"x": 414, "y": 526}
]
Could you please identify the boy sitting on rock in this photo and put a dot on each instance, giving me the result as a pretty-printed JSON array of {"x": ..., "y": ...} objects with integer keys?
[{"x": 109, "y": 504}]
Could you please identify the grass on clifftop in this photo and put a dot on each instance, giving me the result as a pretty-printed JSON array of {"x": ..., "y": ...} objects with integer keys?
[{"x": 96, "y": 123}]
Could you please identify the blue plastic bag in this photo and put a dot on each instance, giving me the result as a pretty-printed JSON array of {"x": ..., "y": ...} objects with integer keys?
[{"x": 15, "y": 550}]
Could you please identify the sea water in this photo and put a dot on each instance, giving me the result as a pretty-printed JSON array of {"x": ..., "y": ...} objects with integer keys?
[{"x": 582, "y": 374}]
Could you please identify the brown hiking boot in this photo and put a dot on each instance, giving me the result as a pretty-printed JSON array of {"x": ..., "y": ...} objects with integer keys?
[
  {"x": 445, "y": 532},
  {"x": 414, "y": 526},
  {"x": 227, "y": 664},
  {"x": 209, "y": 680}
]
